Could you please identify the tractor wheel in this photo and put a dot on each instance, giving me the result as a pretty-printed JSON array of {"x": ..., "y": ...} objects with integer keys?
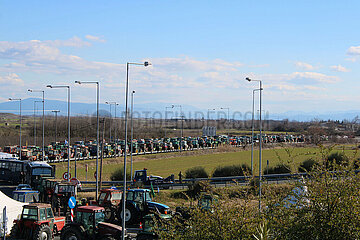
[
  {"x": 43, "y": 232},
  {"x": 131, "y": 214},
  {"x": 71, "y": 233},
  {"x": 109, "y": 214},
  {"x": 15, "y": 232}
]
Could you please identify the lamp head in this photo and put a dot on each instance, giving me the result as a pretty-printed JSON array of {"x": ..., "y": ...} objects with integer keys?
[
  {"x": 106, "y": 102},
  {"x": 49, "y": 86},
  {"x": 79, "y": 82},
  {"x": 133, "y": 91},
  {"x": 10, "y": 99},
  {"x": 146, "y": 64},
  {"x": 29, "y": 90},
  {"x": 248, "y": 79}
]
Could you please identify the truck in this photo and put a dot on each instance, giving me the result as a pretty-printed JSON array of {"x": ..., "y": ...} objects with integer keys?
[
  {"x": 37, "y": 222},
  {"x": 141, "y": 176}
]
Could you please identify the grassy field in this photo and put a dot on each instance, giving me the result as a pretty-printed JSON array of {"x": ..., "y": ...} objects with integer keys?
[{"x": 172, "y": 163}]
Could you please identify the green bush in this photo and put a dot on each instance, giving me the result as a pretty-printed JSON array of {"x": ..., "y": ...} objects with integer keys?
[
  {"x": 196, "y": 172},
  {"x": 278, "y": 169},
  {"x": 233, "y": 170},
  {"x": 336, "y": 158},
  {"x": 118, "y": 175},
  {"x": 307, "y": 165},
  {"x": 198, "y": 187}
]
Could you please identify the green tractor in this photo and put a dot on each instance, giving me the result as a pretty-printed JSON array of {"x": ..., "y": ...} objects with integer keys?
[{"x": 147, "y": 226}]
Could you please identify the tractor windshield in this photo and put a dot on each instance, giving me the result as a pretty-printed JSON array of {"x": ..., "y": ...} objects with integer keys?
[
  {"x": 116, "y": 196},
  {"x": 30, "y": 213},
  {"x": 147, "y": 197},
  {"x": 102, "y": 197}
]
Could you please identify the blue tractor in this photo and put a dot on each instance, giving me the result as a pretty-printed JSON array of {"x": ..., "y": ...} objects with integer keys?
[{"x": 139, "y": 204}]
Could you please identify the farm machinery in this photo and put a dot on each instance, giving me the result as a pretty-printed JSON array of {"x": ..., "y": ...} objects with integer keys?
[{"x": 37, "y": 222}]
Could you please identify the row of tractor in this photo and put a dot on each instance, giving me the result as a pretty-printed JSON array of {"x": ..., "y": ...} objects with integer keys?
[{"x": 86, "y": 149}]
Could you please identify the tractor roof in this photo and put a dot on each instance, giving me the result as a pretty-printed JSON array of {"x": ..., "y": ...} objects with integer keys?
[
  {"x": 110, "y": 190},
  {"x": 138, "y": 190},
  {"x": 90, "y": 209},
  {"x": 38, "y": 205}
]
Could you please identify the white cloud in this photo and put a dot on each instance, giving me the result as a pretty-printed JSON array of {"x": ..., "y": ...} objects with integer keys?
[
  {"x": 11, "y": 79},
  {"x": 353, "y": 51},
  {"x": 95, "y": 38},
  {"x": 307, "y": 78},
  {"x": 304, "y": 66},
  {"x": 339, "y": 68}
]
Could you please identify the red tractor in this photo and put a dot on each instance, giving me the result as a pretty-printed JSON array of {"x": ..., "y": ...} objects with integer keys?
[
  {"x": 89, "y": 224},
  {"x": 37, "y": 222},
  {"x": 109, "y": 199}
]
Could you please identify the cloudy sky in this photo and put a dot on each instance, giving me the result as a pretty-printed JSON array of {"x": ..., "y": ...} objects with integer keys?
[{"x": 306, "y": 52}]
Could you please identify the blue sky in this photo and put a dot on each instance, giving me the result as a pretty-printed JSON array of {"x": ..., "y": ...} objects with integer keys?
[{"x": 306, "y": 52}]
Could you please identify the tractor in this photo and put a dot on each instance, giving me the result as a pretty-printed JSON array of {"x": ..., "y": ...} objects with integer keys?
[
  {"x": 61, "y": 193},
  {"x": 37, "y": 222},
  {"x": 109, "y": 199},
  {"x": 147, "y": 226},
  {"x": 138, "y": 204},
  {"x": 89, "y": 224}
]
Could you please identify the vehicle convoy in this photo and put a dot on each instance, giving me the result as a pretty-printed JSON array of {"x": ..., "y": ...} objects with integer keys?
[
  {"x": 138, "y": 204},
  {"x": 141, "y": 176},
  {"x": 37, "y": 222},
  {"x": 89, "y": 224}
]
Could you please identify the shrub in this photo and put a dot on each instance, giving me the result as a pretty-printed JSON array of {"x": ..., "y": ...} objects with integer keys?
[
  {"x": 307, "y": 165},
  {"x": 233, "y": 170},
  {"x": 118, "y": 175},
  {"x": 336, "y": 159},
  {"x": 198, "y": 187},
  {"x": 196, "y": 172},
  {"x": 278, "y": 169}
]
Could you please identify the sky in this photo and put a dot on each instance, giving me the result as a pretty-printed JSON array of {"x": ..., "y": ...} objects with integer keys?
[{"x": 305, "y": 52}]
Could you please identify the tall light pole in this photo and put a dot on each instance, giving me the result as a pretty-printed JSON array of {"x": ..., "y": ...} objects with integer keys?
[
  {"x": 68, "y": 87},
  {"x": 97, "y": 131},
  {"x": 132, "y": 134},
  {"x": 252, "y": 130},
  {"x": 56, "y": 112},
  {"x": 126, "y": 116},
  {"x": 172, "y": 106},
  {"x": 260, "y": 142},
  {"x": 18, "y": 99},
  {"x": 35, "y": 122},
  {"x": 228, "y": 117},
  {"x": 43, "y": 121}
]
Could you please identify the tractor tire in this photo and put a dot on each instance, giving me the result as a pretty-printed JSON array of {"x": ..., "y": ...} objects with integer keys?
[
  {"x": 15, "y": 232},
  {"x": 131, "y": 214},
  {"x": 109, "y": 214},
  {"x": 43, "y": 232},
  {"x": 71, "y": 233}
]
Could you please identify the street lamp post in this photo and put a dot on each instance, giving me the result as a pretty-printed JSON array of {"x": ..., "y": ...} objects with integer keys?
[
  {"x": 68, "y": 87},
  {"x": 125, "y": 154},
  {"x": 252, "y": 131},
  {"x": 43, "y": 121},
  {"x": 228, "y": 117},
  {"x": 56, "y": 112},
  {"x": 132, "y": 135},
  {"x": 18, "y": 99},
  {"x": 260, "y": 141},
  {"x": 97, "y": 131},
  {"x": 35, "y": 122}
]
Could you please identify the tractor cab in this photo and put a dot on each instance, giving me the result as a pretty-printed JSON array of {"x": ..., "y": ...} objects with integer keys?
[
  {"x": 89, "y": 224},
  {"x": 206, "y": 202},
  {"x": 109, "y": 199},
  {"x": 26, "y": 196}
]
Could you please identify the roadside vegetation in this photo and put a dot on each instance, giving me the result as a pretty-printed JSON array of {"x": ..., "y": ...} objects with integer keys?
[{"x": 326, "y": 205}]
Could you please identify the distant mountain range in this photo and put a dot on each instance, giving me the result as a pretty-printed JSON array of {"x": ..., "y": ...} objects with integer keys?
[{"x": 157, "y": 110}]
